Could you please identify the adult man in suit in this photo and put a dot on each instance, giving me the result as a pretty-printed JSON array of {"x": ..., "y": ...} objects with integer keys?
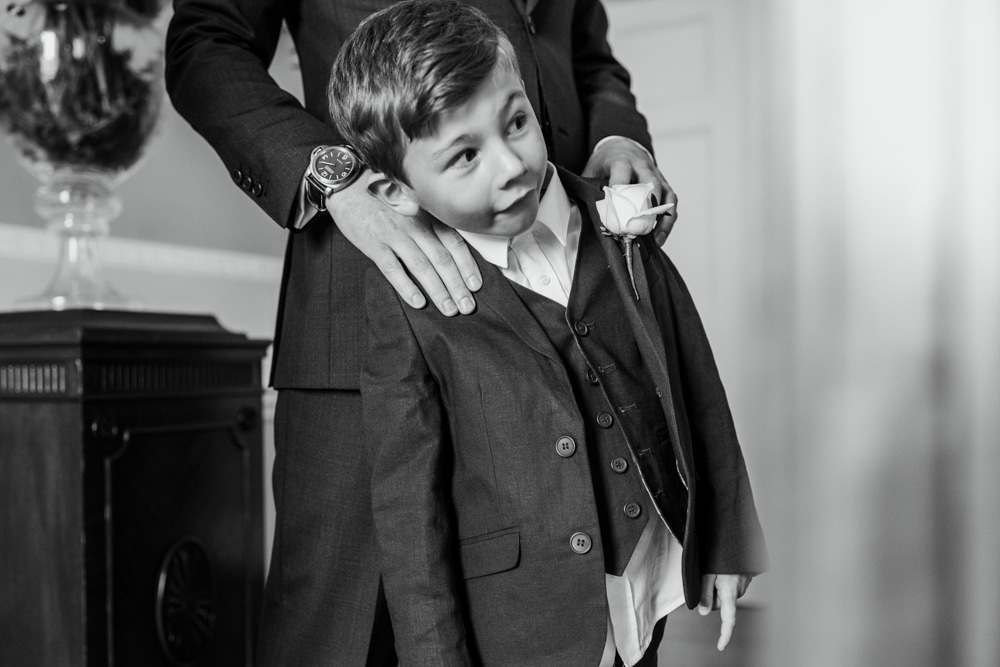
[{"x": 323, "y": 583}]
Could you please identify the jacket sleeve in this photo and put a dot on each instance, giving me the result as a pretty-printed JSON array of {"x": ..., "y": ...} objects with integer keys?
[
  {"x": 217, "y": 55},
  {"x": 730, "y": 538},
  {"x": 604, "y": 85},
  {"x": 408, "y": 451}
]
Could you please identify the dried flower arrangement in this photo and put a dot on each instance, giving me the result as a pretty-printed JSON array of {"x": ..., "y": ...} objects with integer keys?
[{"x": 79, "y": 83}]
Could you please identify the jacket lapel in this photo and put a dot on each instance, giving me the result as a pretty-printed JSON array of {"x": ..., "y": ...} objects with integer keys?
[
  {"x": 498, "y": 295},
  {"x": 524, "y": 7},
  {"x": 640, "y": 313}
]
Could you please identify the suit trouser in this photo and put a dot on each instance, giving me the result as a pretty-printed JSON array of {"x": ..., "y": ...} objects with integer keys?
[{"x": 323, "y": 603}]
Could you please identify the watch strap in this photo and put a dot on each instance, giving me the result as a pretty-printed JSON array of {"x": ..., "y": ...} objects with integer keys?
[{"x": 315, "y": 192}]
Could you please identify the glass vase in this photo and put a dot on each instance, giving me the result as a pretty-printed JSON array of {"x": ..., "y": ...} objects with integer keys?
[{"x": 80, "y": 93}]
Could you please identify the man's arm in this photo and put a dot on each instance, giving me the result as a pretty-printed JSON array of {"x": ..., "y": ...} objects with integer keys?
[
  {"x": 407, "y": 452},
  {"x": 218, "y": 52},
  {"x": 621, "y": 148},
  {"x": 217, "y": 56}
]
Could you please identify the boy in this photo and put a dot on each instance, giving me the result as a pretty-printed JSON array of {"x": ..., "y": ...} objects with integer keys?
[{"x": 555, "y": 473}]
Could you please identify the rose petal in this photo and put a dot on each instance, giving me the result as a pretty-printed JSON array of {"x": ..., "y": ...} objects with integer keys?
[{"x": 623, "y": 204}]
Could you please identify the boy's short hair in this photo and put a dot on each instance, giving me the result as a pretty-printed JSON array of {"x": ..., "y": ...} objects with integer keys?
[{"x": 406, "y": 65}]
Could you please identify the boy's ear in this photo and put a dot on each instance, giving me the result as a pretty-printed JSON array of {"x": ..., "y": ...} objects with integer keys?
[{"x": 394, "y": 195}]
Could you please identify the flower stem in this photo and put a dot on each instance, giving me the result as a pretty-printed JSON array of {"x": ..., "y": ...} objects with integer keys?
[{"x": 627, "y": 242}]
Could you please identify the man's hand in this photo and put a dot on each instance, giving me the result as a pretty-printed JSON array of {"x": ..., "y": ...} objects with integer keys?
[
  {"x": 622, "y": 161},
  {"x": 720, "y": 591},
  {"x": 436, "y": 255}
]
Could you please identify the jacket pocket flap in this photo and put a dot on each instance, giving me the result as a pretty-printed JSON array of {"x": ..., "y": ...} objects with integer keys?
[{"x": 489, "y": 554}]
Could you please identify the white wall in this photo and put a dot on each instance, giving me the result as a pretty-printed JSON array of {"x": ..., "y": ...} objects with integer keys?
[
  {"x": 861, "y": 308},
  {"x": 882, "y": 161}
]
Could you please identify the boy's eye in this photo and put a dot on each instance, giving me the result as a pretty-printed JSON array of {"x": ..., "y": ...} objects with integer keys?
[
  {"x": 465, "y": 157},
  {"x": 518, "y": 122}
]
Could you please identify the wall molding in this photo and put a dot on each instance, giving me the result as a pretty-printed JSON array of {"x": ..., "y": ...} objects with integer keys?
[{"x": 36, "y": 245}]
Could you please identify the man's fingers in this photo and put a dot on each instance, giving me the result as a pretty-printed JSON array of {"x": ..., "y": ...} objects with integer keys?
[
  {"x": 620, "y": 173},
  {"x": 389, "y": 265},
  {"x": 433, "y": 266},
  {"x": 664, "y": 224},
  {"x": 460, "y": 254},
  {"x": 419, "y": 256}
]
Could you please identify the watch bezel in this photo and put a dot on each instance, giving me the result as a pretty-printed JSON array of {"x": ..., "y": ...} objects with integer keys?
[{"x": 332, "y": 185}]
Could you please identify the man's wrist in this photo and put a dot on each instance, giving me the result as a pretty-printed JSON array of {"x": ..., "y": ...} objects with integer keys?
[
  {"x": 331, "y": 169},
  {"x": 612, "y": 137}
]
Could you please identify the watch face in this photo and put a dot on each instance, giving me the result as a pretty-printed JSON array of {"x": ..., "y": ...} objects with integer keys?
[{"x": 333, "y": 165}]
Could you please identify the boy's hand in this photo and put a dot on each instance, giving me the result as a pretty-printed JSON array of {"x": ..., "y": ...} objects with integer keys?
[
  {"x": 720, "y": 591},
  {"x": 622, "y": 161},
  {"x": 436, "y": 255}
]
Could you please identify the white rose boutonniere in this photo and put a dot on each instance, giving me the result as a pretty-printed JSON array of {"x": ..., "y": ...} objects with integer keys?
[{"x": 627, "y": 211}]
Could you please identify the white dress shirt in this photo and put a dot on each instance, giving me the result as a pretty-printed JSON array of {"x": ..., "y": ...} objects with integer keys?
[{"x": 542, "y": 259}]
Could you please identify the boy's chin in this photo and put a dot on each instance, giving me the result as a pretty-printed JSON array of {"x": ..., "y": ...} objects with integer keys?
[{"x": 522, "y": 222}]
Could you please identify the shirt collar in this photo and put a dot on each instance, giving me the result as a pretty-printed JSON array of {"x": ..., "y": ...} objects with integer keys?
[{"x": 553, "y": 212}]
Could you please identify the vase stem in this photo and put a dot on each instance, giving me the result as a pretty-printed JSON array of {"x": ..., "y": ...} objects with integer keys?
[{"x": 79, "y": 210}]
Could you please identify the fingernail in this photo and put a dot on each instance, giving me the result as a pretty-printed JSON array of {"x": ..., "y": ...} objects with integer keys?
[
  {"x": 418, "y": 301},
  {"x": 473, "y": 283},
  {"x": 449, "y": 307},
  {"x": 466, "y": 305}
]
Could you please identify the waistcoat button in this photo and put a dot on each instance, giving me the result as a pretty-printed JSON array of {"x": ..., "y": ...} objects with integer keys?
[
  {"x": 619, "y": 465},
  {"x": 632, "y": 510},
  {"x": 605, "y": 420}
]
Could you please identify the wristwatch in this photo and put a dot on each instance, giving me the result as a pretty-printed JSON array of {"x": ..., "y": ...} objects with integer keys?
[{"x": 331, "y": 169}]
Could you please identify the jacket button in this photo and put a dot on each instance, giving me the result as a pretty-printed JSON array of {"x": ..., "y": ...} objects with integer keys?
[
  {"x": 247, "y": 183},
  {"x": 257, "y": 190},
  {"x": 565, "y": 446},
  {"x": 580, "y": 542},
  {"x": 237, "y": 176},
  {"x": 619, "y": 465},
  {"x": 592, "y": 377},
  {"x": 632, "y": 510},
  {"x": 605, "y": 420},
  {"x": 581, "y": 328}
]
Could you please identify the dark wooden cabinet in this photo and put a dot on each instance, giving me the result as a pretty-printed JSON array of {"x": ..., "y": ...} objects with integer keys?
[{"x": 130, "y": 490}]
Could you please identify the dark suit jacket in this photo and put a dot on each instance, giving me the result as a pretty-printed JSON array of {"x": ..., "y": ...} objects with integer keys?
[
  {"x": 217, "y": 57},
  {"x": 474, "y": 510}
]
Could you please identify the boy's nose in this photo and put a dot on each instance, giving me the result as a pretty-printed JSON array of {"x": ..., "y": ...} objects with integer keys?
[{"x": 511, "y": 166}]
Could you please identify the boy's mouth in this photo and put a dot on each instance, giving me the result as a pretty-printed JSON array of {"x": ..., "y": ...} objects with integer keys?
[{"x": 517, "y": 204}]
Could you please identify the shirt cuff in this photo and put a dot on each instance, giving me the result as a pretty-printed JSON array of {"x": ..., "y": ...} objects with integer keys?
[
  {"x": 305, "y": 211},
  {"x": 618, "y": 136}
]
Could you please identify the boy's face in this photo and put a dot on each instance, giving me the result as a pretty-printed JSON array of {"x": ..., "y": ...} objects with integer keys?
[{"x": 482, "y": 170}]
